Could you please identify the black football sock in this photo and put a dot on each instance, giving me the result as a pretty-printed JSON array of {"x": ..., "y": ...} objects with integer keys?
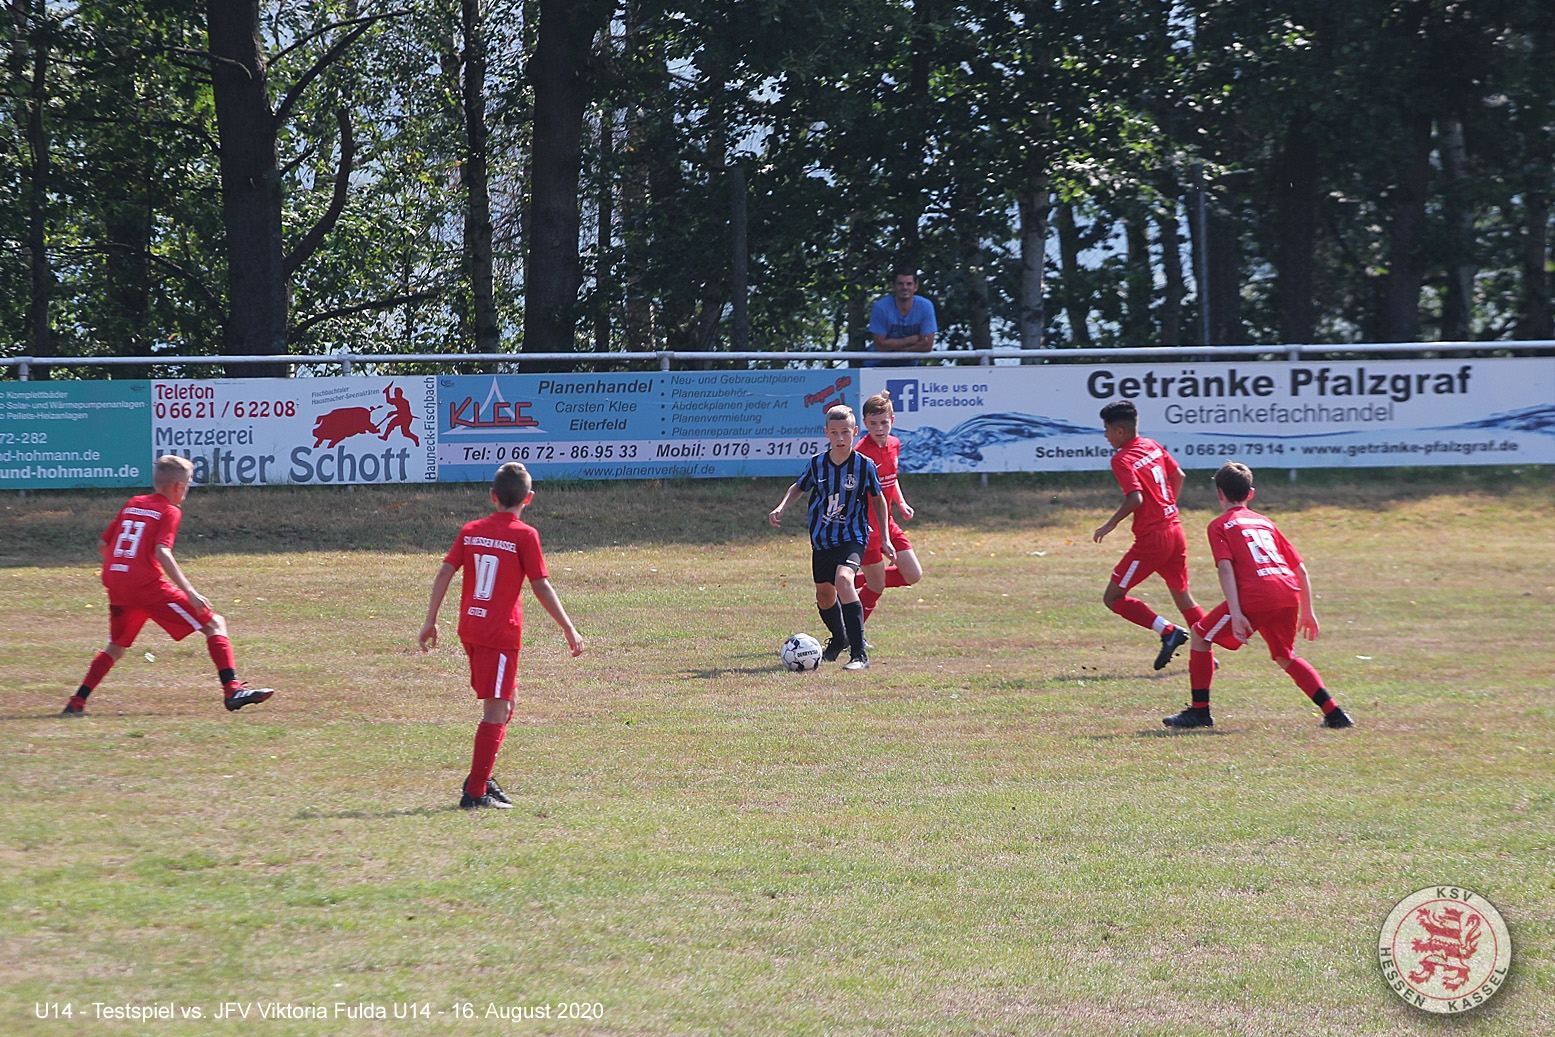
[
  {"x": 832, "y": 617},
  {"x": 853, "y": 621},
  {"x": 82, "y": 692},
  {"x": 227, "y": 676}
]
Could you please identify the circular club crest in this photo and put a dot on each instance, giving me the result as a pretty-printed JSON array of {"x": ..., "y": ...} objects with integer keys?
[{"x": 1445, "y": 949}]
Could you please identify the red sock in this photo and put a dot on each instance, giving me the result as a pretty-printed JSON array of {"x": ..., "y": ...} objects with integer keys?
[
  {"x": 1135, "y": 611},
  {"x": 221, "y": 652},
  {"x": 488, "y": 740},
  {"x": 102, "y": 662},
  {"x": 1201, "y": 669},
  {"x": 869, "y": 599},
  {"x": 1308, "y": 680},
  {"x": 894, "y": 577},
  {"x": 1192, "y": 616}
]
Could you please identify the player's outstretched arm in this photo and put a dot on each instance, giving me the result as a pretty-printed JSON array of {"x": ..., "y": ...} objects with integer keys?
[
  {"x": 440, "y": 582},
  {"x": 1130, "y": 502},
  {"x": 901, "y": 502},
  {"x": 174, "y": 573},
  {"x": 545, "y": 594},
  {"x": 1241, "y": 629},
  {"x": 1306, "y": 625},
  {"x": 775, "y": 516}
]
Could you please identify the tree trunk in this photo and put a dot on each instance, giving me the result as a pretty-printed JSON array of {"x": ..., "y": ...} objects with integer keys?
[
  {"x": 1171, "y": 267},
  {"x": 477, "y": 217},
  {"x": 974, "y": 269},
  {"x": 1458, "y": 307},
  {"x": 1225, "y": 277},
  {"x": 604, "y": 277},
  {"x": 1139, "y": 284},
  {"x": 552, "y": 268},
  {"x": 30, "y": 65},
  {"x": 1075, "y": 306},
  {"x": 250, "y": 187},
  {"x": 1401, "y": 302},
  {"x": 1295, "y": 228},
  {"x": 127, "y": 226},
  {"x": 1035, "y": 206},
  {"x": 1534, "y": 322},
  {"x": 739, "y": 261}
]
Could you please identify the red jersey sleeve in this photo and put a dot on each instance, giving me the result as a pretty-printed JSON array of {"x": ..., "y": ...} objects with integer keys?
[
  {"x": 529, "y": 554},
  {"x": 169, "y": 526},
  {"x": 1219, "y": 546},
  {"x": 455, "y": 555},
  {"x": 1128, "y": 478}
]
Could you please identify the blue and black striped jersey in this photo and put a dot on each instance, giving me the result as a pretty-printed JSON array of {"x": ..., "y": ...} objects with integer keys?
[{"x": 839, "y": 498}]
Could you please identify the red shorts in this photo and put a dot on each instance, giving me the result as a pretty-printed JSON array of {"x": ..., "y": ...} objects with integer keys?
[
  {"x": 493, "y": 671},
  {"x": 166, "y": 606},
  {"x": 1164, "y": 552},
  {"x": 874, "y": 551},
  {"x": 1278, "y": 627}
]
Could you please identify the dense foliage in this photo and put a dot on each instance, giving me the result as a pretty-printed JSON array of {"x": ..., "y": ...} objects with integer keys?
[{"x": 1062, "y": 173}]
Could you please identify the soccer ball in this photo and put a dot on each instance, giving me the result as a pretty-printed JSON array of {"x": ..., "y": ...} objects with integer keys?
[{"x": 801, "y": 652}]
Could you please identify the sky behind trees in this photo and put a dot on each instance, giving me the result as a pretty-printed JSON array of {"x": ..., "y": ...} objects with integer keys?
[{"x": 481, "y": 175}]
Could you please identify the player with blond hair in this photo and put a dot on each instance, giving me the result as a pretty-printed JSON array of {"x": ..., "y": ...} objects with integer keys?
[{"x": 144, "y": 582}]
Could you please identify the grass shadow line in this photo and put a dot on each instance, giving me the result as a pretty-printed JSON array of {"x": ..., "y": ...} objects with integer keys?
[{"x": 371, "y": 815}]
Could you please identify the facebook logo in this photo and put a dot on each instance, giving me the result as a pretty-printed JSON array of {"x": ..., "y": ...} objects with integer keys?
[{"x": 904, "y": 393}]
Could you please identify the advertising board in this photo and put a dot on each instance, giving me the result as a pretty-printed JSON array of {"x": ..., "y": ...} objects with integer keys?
[
  {"x": 659, "y": 424},
  {"x": 1307, "y": 414},
  {"x": 299, "y": 431},
  {"x": 64, "y": 434}
]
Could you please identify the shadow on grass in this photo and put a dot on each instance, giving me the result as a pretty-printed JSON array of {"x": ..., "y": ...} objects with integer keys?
[
  {"x": 372, "y": 815},
  {"x": 725, "y": 671},
  {"x": 1160, "y": 732}
]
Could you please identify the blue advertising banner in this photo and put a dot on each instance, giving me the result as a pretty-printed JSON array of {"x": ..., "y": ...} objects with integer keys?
[
  {"x": 659, "y": 424},
  {"x": 1285, "y": 414},
  {"x": 65, "y": 434}
]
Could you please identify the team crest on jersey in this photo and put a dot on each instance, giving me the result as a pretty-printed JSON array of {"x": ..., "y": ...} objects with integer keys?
[
  {"x": 1445, "y": 949},
  {"x": 849, "y": 482}
]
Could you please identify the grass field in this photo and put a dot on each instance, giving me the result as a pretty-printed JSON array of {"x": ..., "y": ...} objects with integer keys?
[{"x": 988, "y": 832}]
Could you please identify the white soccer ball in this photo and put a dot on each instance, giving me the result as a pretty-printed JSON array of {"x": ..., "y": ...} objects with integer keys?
[{"x": 801, "y": 652}]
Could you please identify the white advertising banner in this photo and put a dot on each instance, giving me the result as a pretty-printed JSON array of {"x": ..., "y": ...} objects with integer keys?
[
  {"x": 1306, "y": 414},
  {"x": 302, "y": 431}
]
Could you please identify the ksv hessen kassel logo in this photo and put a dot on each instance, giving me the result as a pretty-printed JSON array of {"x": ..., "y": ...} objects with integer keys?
[{"x": 1445, "y": 949}]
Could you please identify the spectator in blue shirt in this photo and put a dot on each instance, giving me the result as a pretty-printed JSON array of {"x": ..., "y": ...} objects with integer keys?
[{"x": 901, "y": 322}]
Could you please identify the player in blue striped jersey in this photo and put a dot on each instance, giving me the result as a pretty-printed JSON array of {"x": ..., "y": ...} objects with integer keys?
[{"x": 843, "y": 484}]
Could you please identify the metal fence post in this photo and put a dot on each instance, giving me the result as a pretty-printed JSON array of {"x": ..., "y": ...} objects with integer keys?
[
  {"x": 1293, "y": 354},
  {"x": 664, "y": 360},
  {"x": 23, "y": 369},
  {"x": 345, "y": 363}
]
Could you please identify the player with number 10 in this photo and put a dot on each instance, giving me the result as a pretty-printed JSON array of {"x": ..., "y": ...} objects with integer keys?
[{"x": 496, "y": 554}]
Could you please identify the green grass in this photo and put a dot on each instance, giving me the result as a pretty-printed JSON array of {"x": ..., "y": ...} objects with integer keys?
[{"x": 989, "y": 832}]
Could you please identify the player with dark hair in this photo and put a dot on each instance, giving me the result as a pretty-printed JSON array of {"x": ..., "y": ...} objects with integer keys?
[
  {"x": 1150, "y": 480},
  {"x": 843, "y": 485},
  {"x": 1268, "y": 591},
  {"x": 144, "y": 582},
  {"x": 496, "y": 554},
  {"x": 902, "y": 322},
  {"x": 884, "y": 449}
]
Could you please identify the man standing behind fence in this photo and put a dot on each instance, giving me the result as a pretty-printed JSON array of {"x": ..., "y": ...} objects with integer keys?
[{"x": 901, "y": 322}]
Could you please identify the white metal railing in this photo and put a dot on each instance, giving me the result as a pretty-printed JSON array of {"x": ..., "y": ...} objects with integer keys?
[{"x": 667, "y": 357}]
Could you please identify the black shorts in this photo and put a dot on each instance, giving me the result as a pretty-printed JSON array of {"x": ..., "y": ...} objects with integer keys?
[{"x": 823, "y": 564}]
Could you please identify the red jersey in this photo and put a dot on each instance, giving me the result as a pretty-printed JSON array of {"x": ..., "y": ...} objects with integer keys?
[
  {"x": 497, "y": 553},
  {"x": 130, "y": 565},
  {"x": 885, "y": 458},
  {"x": 1263, "y": 560},
  {"x": 1144, "y": 465}
]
